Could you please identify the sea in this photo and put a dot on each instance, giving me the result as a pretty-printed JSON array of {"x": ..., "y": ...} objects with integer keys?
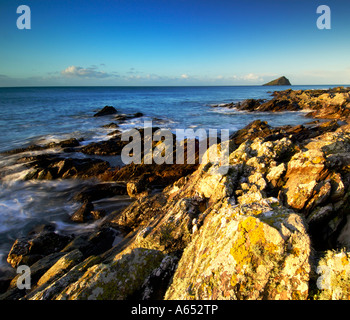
[{"x": 39, "y": 115}]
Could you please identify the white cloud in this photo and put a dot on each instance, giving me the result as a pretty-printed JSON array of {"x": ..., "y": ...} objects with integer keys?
[
  {"x": 184, "y": 76},
  {"x": 252, "y": 77},
  {"x": 79, "y": 72}
]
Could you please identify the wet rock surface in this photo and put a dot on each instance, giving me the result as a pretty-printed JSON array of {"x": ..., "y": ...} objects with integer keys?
[
  {"x": 50, "y": 167},
  {"x": 36, "y": 246},
  {"x": 68, "y": 145}
]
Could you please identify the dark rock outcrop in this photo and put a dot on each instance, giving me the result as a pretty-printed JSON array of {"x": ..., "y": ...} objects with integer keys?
[
  {"x": 94, "y": 243},
  {"x": 114, "y": 146},
  {"x": 49, "y": 167},
  {"x": 324, "y": 104},
  {"x": 84, "y": 213},
  {"x": 29, "y": 250},
  {"x": 100, "y": 191},
  {"x": 107, "y": 110},
  {"x": 253, "y": 130}
]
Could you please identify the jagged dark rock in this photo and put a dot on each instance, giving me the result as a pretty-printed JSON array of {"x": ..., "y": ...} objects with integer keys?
[
  {"x": 107, "y": 110},
  {"x": 29, "y": 250},
  {"x": 114, "y": 146},
  {"x": 84, "y": 213},
  {"x": 100, "y": 191},
  {"x": 49, "y": 167}
]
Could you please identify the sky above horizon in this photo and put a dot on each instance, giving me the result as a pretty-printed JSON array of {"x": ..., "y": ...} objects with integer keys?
[{"x": 173, "y": 42}]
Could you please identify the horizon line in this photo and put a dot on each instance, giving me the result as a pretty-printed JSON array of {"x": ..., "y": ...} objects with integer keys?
[{"x": 184, "y": 86}]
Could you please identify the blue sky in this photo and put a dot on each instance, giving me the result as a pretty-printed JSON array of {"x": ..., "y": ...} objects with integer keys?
[{"x": 173, "y": 42}]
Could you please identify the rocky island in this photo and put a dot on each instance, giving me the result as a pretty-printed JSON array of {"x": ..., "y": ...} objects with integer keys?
[
  {"x": 282, "y": 81},
  {"x": 274, "y": 226}
]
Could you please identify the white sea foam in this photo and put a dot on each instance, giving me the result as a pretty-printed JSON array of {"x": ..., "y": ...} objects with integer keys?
[
  {"x": 224, "y": 110},
  {"x": 71, "y": 227},
  {"x": 12, "y": 178},
  {"x": 49, "y": 138}
]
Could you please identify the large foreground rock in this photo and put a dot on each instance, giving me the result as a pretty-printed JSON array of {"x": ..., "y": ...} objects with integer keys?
[
  {"x": 117, "y": 280},
  {"x": 250, "y": 252}
]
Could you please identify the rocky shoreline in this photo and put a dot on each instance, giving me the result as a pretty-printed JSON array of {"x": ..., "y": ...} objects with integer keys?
[
  {"x": 323, "y": 104},
  {"x": 274, "y": 226}
]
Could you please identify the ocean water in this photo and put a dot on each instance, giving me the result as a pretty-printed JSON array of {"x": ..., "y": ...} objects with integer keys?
[
  {"x": 41, "y": 115},
  {"x": 30, "y": 115}
]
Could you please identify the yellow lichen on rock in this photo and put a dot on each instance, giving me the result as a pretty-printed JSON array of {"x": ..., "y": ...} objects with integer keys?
[
  {"x": 116, "y": 280},
  {"x": 334, "y": 276},
  {"x": 236, "y": 255}
]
